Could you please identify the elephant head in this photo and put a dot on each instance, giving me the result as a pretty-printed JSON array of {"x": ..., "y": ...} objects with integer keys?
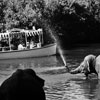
[
  {"x": 87, "y": 66},
  {"x": 82, "y": 68}
]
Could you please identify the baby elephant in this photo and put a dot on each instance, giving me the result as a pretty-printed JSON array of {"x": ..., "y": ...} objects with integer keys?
[
  {"x": 22, "y": 85},
  {"x": 87, "y": 66}
]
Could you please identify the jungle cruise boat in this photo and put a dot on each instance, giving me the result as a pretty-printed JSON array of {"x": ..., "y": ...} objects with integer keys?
[{"x": 21, "y": 43}]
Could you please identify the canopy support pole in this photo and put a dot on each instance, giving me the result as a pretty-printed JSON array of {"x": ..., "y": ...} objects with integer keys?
[
  {"x": 26, "y": 39},
  {"x": 42, "y": 36},
  {"x": 9, "y": 42}
]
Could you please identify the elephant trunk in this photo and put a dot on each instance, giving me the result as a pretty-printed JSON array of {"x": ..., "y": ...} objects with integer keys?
[{"x": 76, "y": 71}]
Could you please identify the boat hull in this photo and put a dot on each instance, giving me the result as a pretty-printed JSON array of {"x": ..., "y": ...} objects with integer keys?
[{"x": 36, "y": 52}]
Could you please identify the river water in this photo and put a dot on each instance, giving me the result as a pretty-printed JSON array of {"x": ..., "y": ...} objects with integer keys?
[{"x": 59, "y": 84}]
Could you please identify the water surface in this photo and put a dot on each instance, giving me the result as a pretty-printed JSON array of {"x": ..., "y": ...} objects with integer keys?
[{"x": 59, "y": 84}]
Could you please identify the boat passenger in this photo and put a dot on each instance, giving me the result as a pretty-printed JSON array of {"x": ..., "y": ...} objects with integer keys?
[
  {"x": 32, "y": 44},
  {"x": 38, "y": 45},
  {"x": 3, "y": 49},
  {"x": 28, "y": 45},
  {"x": 33, "y": 28},
  {"x": 12, "y": 47},
  {"x": 21, "y": 47}
]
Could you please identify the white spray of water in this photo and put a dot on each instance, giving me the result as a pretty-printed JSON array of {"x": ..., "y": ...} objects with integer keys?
[
  {"x": 59, "y": 48},
  {"x": 62, "y": 57}
]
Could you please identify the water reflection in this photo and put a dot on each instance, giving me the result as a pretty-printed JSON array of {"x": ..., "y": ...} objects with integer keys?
[
  {"x": 38, "y": 62},
  {"x": 7, "y": 67},
  {"x": 82, "y": 89},
  {"x": 30, "y": 62},
  {"x": 74, "y": 89}
]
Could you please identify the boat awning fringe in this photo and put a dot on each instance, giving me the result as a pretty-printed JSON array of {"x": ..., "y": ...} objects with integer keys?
[
  {"x": 4, "y": 35},
  {"x": 27, "y": 32},
  {"x": 33, "y": 33}
]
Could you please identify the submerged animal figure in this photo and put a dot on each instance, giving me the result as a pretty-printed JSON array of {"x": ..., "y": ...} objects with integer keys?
[
  {"x": 87, "y": 66},
  {"x": 22, "y": 85}
]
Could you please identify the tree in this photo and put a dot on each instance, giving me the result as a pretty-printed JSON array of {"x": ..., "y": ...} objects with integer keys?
[
  {"x": 23, "y": 13},
  {"x": 2, "y": 21}
]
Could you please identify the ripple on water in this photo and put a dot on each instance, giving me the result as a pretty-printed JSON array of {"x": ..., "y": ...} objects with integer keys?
[
  {"x": 61, "y": 88},
  {"x": 55, "y": 92},
  {"x": 73, "y": 92},
  {"x": 74, "y": 89}
]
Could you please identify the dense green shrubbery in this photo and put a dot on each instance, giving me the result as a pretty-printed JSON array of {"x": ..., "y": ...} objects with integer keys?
[{"x": 73, "y": 21}]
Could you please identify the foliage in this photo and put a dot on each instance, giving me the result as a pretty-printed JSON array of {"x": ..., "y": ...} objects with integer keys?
[
  {"x": 73, "y": 20},
  {"x": 22, "y": 13}
]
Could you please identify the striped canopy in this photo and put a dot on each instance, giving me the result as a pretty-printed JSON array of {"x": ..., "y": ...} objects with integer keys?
[
  {"x": 32, "y": 33},
  {"x": 20, "y": 31},
  {"x": 4, "y": 35}
]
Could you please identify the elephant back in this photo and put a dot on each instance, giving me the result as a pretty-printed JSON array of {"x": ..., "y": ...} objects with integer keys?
[{"x": 97, "y": 65}]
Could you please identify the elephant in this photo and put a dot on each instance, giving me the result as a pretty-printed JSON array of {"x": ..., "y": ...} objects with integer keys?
[
  {"x": 23, "y": 85},
  {"x": 97, "y": 65},
  {"x": 87, "y": 66}
]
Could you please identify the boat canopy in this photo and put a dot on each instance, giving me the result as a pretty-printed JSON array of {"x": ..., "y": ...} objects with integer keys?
[
  {"x": 29, "y": 38},
  {"x": 20, "y": 31}
]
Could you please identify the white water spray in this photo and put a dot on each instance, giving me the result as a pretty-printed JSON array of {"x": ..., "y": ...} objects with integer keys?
[
  {"x": 62, "y": 57},
  {"x": 59, "y": 49}
]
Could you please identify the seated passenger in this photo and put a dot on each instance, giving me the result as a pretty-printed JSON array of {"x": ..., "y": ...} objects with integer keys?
[
  {"x": 12, "y": 47},
  {"x": 39, "y": 45},
  {"x": 21, "y": 47},
  {"x": 32, "y": 44}
]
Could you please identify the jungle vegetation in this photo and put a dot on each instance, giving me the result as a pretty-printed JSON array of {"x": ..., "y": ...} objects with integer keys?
[{"x": 70, "y": 21}]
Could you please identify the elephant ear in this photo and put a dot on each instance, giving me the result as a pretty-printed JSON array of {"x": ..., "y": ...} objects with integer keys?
[
  {"x": 92, "y": 63},
  {"x": 88, "y": 67},
  {"x": 85, "y": 67}
]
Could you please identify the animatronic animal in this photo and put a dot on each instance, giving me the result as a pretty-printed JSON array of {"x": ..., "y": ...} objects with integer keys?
[{"x": 87, "y": 66}]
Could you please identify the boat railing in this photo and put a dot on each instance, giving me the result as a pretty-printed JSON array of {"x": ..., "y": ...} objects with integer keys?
[{"x": 4, "y": 48}]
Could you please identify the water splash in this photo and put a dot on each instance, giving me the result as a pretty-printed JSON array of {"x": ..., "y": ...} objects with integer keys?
[
  {"x": 61, "y": 54},
  {"x": 58, "y": 45},
  {"x": 62, "y": 57}
]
